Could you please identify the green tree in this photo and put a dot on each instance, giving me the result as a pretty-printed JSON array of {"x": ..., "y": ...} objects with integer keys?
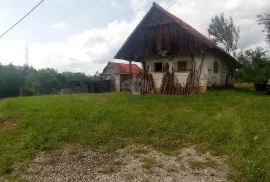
[
  {"x": 224, "y": 31},
  {"x": 25, "y": 80},
  {"x": 11, "y": 80},
  {"x": 255, "y": 65},
  {"x": 40, "y": 82},
  {"x": 265, "y": 20},
  {"x": 75, "y": 76}
]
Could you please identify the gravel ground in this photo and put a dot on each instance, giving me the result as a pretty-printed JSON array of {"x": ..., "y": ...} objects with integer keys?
[{"x": 134, "y": 163}]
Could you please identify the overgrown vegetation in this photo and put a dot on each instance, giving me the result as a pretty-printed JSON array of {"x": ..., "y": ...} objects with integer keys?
[
  {"x": 234, "y": 123},
  {"x": 255, "y": 66},
  {"x": 148, "y": 163},
  {"x": 24, "y": 80}
]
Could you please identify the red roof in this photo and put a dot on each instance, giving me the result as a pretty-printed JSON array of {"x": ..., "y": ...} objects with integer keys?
[{"x": 124, "y": 68}]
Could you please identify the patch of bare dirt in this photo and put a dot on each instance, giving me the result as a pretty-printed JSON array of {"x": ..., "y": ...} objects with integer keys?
[
  {"x": 6, "y": 124},
  {"x": 2, "y": 180},
  {"x": 77, "y": 163}
]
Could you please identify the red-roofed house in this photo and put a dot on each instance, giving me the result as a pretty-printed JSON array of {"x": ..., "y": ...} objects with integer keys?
[
  {"x": 120, "y": 73},
  {"x": 162, "y": 38}
]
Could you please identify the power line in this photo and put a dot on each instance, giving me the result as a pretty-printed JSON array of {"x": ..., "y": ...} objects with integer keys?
[
  {"x": 21, "y": 19},
  {"x": 172, "y": 4}
]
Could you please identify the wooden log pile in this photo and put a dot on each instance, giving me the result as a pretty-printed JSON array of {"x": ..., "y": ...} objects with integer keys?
[
  {"x": 170, "y": 86},
  {"x": 147, "y": 83}
]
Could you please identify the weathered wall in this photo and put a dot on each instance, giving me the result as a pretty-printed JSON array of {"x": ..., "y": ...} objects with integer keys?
[
  {"x": 180, "y": 76},
  {"x": 208, "y": 77},
  {"x": 110, "y": 73},
  {"x": 218, "y": 79},
  {"x": 117, "y": 82}
]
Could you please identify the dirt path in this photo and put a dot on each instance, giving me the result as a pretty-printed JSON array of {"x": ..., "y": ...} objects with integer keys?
[
  {"x": 76, "y": 163},
  {"x": 6, "y": 124}
]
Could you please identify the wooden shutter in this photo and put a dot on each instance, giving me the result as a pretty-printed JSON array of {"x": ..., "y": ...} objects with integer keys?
[{"x": 182, "y": 66}]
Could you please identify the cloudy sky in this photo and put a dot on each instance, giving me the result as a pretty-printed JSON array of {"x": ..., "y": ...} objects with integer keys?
[{"x": 83, "y": 35}]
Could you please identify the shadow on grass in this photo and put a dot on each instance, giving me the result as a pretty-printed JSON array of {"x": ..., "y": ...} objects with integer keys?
[{"x": 249, "y": 91}]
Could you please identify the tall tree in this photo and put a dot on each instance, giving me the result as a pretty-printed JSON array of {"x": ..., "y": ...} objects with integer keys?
[
  {"x": 224, "y": 31},
  {"x": 265, "y": 20}
]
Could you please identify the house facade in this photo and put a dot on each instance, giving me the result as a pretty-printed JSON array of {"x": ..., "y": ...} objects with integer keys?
[
  {"x": 121, "y": 75},
  {"x": 162, "y": 38}
]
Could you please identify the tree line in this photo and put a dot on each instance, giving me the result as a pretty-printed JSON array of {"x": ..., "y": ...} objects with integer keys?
[{"x": 25, "y": 80}]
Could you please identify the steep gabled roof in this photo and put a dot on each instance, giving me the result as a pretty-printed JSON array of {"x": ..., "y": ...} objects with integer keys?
[
  {"x": 207, "y": 42},
  {"x": 123, "y": 68},
  {"x": 191, "y": 30},
  {"x": 187, "y": 26}
]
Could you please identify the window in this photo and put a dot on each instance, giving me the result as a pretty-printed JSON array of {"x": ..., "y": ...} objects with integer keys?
[
  {"x": 182, "y": 66},
  {"x": 215, "y": 67},
  {"x": 158, "y": 67}
]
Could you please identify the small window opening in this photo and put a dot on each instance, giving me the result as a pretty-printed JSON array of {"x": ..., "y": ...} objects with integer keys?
[
  {"x": 215, "y": 67},
  {"x": 158, "y": 67},
  {"x": 182, "y": 66}
]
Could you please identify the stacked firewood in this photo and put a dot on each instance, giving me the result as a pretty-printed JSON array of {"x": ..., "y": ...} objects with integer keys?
[
  {"x": 147, "y": 83},
  {"x": 170, "y": 85},
  {"x": 192, "y": 83},
  {"x": 191, "y": 86}
]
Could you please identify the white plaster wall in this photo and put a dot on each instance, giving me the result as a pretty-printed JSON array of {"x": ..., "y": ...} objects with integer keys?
[
  {"x": 180, "y": 76},
  {"x": 217, "y": 79},
  {"x": 208, "y": 77}
]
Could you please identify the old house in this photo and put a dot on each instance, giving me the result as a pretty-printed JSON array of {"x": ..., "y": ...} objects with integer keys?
[
  {"x": 163, "y": 39},
  {"x": 120, "y": 73}
]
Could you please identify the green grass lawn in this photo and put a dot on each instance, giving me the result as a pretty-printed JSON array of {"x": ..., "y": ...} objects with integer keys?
[{"x": 234, "y": 123}]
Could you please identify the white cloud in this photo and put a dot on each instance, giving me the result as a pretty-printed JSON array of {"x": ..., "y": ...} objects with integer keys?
[
  {"x": 59, "y": 25},
  {"x": 87, "y": 52},
  {"x": 90, "y": 50}
]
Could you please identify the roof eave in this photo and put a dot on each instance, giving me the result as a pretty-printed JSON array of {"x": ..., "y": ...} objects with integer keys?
[{"x": 232, "y": 61}]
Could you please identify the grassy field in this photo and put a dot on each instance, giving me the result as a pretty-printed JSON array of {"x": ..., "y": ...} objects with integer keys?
[{"x": 234, "y": 123}]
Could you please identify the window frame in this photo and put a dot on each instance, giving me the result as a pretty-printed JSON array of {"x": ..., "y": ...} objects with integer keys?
[
  {"x": 155, "y": 67},
  {"x": 182, "y": 71}
]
